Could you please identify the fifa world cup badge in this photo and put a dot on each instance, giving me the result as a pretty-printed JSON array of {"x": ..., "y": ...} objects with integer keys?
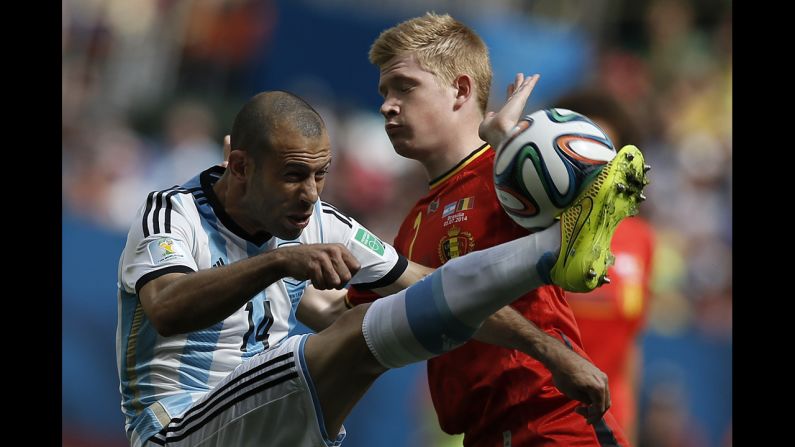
[{"x": 164, "y": 249}]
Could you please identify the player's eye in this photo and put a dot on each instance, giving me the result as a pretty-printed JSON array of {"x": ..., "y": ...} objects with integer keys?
[{"x": 293, "y": 176}]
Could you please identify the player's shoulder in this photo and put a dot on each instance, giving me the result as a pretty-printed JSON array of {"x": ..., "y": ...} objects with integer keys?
[
  {"x": 485, "y": 159},
  {"x": 158, "y": 210},
  {"x": 328, "y": 212},
  {"x": 172, "y": 198},
  {"x": 481, "y": 171},
  {"x": 481, "y": 163},
  {"x": 328, "y": 224}
]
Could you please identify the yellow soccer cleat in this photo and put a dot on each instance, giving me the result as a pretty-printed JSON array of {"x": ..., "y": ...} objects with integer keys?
[{"x": 587, "y": 226}]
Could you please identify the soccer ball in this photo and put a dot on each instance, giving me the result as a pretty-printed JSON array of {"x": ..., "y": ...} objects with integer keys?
[{"x": 539, "y": 171}]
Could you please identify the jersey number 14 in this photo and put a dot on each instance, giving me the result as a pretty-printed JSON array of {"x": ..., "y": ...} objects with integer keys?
[{"x": 263, "y": 327}]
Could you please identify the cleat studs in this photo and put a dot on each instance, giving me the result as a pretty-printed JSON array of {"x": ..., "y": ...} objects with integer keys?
[
  {"x": 621, "y": 187},
  {"x": 630, "y": 156},
  {"x": 632, "y": 179},
  {"x": 605, "y": 280},
  {"x": 646, "y": 168},
  {"x": 641, "y": 197},
  {"x": 591, "y": 274}
]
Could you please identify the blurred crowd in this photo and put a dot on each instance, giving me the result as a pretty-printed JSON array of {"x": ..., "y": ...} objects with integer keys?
[
  {"x": 679, "y": 85},
  {"x": 151, "y": 87}
]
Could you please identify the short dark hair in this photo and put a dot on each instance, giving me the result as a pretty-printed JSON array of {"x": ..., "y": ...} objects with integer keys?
[
  {"x": 269, "y": 112},
  {"x": 596, "y": 104}
]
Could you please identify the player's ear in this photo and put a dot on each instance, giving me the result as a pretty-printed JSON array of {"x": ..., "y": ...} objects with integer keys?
[
  {"x": 465, "y": 90},
  {"x": 239, "y": 164}
]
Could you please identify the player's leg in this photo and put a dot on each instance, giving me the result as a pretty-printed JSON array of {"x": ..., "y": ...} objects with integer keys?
[
  {"x": 341, "y": 366},
  {"x": 444, "y": 309},
  {"x": 431, "y": 317}
]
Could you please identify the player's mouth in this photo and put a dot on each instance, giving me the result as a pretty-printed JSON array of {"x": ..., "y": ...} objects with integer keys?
[
  {"x": 299, "y": 220},
  {"x": 392, "y": 128}
]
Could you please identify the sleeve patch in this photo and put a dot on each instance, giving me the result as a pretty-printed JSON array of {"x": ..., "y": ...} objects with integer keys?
[
  {"x": 164, "y": 249},
  {"x": 367, "y": 239}
]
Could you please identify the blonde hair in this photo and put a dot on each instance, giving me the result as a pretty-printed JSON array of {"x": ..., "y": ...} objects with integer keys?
[{"x": 443, "y": 46}]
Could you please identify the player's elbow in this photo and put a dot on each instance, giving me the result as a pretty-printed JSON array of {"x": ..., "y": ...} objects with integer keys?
[
  {"x": 165, "y": 323},
  {"x": 166, "y": 331}
]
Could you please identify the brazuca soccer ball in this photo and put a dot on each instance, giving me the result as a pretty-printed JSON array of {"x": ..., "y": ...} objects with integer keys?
[{"x": 539, "y": 171}]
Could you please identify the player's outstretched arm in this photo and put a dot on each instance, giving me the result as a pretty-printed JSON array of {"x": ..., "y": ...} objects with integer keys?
[
  {"x": 573, "y": 375},
  {"x": 177, "y": 303}
]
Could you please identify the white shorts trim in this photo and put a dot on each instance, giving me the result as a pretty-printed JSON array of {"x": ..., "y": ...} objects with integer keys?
[{"x": 268, "y": 400}]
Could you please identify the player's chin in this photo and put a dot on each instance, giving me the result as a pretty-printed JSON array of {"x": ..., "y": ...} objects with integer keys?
[
  {"x": 293, "y": 228},
  {"x": 399, "y": 141},
  {"x": 406, "y": 148}
]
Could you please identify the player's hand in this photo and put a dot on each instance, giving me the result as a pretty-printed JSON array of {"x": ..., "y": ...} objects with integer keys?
[
  {"x": 328, "y": 266},
  {"x": 498, "y": 126},
  {"x": 580, "y": 380}
]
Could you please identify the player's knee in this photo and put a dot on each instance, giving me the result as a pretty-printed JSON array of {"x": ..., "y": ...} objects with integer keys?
[{"x": 346, "y": 336}]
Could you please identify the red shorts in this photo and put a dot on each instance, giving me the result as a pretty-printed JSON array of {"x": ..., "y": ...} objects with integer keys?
[
  {"x": 561, "y": 427},
  {"x": 549, "y": 420}
]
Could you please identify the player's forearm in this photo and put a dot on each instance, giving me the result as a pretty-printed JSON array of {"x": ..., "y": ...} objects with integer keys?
[
  {"x": 318, "y": 309},
  {"x": 509, "y": 329},
  {"x": 198, "y": 300},
  {"x": 413, "y": 273}
]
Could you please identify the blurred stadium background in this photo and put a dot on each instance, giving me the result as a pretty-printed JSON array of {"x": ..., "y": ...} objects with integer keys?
[{"x": 151, "y": 86}]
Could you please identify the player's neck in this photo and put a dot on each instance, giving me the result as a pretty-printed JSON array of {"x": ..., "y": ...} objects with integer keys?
[
  {"x": 221, "y": 189},
  {"x": 444, "y": 158},
  {"x": 228, "y": 198}
]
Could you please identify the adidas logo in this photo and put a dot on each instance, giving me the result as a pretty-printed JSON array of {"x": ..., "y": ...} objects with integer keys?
[{"x": 219, "y": 262}]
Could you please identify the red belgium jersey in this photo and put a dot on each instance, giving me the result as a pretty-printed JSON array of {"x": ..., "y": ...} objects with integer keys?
[
  {"x": 478, "y": 388},
  {"x": 611, "y": 316}
]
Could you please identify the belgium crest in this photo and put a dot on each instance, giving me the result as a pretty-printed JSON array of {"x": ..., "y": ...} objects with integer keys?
[{"x": 456, "y": 243}]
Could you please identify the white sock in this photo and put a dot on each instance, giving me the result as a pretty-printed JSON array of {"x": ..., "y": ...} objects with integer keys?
[{"x": 443, "y": 310}]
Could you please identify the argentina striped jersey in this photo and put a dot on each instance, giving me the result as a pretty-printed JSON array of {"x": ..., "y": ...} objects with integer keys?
[{"x": 185, "y": 229}]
